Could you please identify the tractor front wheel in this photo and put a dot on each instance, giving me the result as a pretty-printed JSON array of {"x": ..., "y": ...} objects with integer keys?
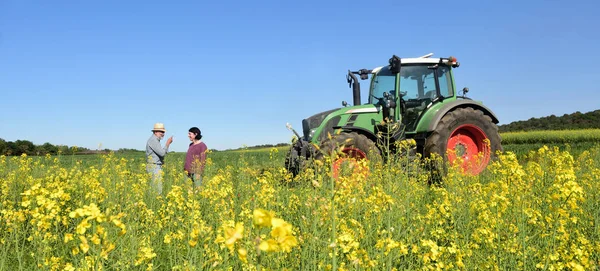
[
  {"x": 466, "y": 134},
  {"x": 292, "y": 161},
  {"x": 353, "y": 148}
]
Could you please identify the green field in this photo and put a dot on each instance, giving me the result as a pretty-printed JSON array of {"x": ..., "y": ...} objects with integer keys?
[
  {"x": 534, "y": 208},
  {"x": 552, "y": 137},
  {"x": 574, "y": 141}
]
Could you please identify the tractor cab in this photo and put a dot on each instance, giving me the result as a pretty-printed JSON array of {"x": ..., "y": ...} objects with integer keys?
[{"x": 414, "y": 84}]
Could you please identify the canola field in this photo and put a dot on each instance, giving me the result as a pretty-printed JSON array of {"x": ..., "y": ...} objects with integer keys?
[
  {"x": 535, "y": 211},
  {"x": 554, "y": 136}
]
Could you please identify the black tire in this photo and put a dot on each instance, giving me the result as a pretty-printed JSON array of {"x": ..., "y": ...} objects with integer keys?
[
  {"x": 466, "y": 123},
  {"x": 292, "y": 163},
  {"x": 347, "y": 141}
]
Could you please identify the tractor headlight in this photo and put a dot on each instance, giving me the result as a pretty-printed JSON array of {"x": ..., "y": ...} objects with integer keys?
[{"x": 311, "y": 133}]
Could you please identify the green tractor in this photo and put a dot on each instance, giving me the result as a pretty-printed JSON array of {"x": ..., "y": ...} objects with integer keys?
[{"x": 419, "y": 98}]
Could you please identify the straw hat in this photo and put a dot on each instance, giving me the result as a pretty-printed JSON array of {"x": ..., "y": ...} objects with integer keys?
[{"x": 159, "y": 127}]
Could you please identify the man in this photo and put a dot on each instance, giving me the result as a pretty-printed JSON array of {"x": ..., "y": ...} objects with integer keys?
[{"x": 156, "y": 154}]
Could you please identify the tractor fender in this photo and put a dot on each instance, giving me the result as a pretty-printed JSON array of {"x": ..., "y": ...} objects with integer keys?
[
  {"x": 370, "y": 135},
  {"x": 459, "y": 104}
]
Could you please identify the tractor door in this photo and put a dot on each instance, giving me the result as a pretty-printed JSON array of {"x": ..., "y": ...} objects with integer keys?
[{"x": 420, "y": 86}]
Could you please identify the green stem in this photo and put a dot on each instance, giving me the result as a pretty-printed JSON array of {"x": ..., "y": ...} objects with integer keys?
[{"x": 333, "y": 226}]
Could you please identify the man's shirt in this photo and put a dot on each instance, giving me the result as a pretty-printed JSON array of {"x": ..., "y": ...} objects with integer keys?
[{"x": 155, "y": 151}]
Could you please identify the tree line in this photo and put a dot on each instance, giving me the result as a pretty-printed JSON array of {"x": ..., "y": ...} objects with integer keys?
[
  {"x": 574, "y": 121},
  {"x": 20, "y": 147},
  {"x": 260, "y": 146}
]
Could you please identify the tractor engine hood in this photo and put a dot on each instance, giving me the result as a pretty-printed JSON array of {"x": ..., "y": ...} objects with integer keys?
[{"x": 313, "y": 122}]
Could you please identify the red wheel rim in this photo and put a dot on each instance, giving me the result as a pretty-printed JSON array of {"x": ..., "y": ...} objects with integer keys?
[
  {"x": 469, "y": 142},
  {"x": 350, "y": 155}
]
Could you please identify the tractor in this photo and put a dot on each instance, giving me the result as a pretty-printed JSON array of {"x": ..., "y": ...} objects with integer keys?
[{"x": 418, "y": 97}]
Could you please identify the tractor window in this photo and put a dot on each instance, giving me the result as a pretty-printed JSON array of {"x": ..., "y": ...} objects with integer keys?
[
  {"x": 446, "y": 88},
  {"x": 417, "y": 83},
  {"x": 384, "y": 81}
]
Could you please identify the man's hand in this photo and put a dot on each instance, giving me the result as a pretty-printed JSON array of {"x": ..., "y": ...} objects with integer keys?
[{"x": 169, "y": 141}]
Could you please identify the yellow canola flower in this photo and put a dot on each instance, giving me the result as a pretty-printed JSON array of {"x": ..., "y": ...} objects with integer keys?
[
  {"x": 100, "y": 230},
  {"x": 83, "y": 226},
  {"x": 234, "y": 234},
  {"x": 242, "y": 254},
  {"x": 287, "y": 243},
  {"x": 68, "y": 237},
  {"x": 95, "y": 239},
  {"x": 84, "y": 244},
  {"x": 120, "y": 224},
  {"x": 269, "y": 245},
  {"x": 167, "y": 239},
  {"x": 282, "y": 238},
  {"x": 148, "y": 253},
  {"x": 262, "y": 217},
  {"x": 145, "y": 253},
  {"x": 231, "y": 235},
  {"x": 107, "y": 248},
  {"x": 194, "y": 237},
  {"x": 280, "y": 228}
]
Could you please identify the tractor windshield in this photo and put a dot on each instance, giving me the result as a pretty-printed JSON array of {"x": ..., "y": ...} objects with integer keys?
[{"x": 383, "y": 81}]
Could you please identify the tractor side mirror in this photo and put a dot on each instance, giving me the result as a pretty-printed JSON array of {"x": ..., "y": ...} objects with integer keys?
[
  {"x": 349, "y": 79},
  {"x": 364, "y": 74},
  {"x": 465, "y": 90},
  {"x": 344, "y": 103}
]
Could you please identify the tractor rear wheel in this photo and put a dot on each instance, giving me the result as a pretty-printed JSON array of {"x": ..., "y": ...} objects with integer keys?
[
  {"x": 463, "y": 133},
  {"x": 353, "y": 148}
]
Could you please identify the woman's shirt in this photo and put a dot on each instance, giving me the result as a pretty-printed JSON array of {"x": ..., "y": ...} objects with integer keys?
[{"x": 195, "y": 158}]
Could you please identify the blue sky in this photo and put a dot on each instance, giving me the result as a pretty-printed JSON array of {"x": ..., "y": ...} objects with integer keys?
[{"x": 86, "y": 73}]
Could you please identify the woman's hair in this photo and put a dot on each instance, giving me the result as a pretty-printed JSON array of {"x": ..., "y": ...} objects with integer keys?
[{"x": 196, "y": 131}]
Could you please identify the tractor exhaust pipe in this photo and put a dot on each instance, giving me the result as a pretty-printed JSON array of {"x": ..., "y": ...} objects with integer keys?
[
  {"x": 356, "y": 93},
  {"x": 355, "y": 85}
]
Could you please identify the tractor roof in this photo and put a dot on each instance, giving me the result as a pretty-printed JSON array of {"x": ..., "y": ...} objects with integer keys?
[{"x": 422, "y": 60}]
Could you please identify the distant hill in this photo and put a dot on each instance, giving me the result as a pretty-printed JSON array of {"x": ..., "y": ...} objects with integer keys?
[{"x": 572, "y": 121}]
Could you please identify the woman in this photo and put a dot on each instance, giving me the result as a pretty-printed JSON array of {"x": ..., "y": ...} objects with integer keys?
[{"x": 195, "y": 157}]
